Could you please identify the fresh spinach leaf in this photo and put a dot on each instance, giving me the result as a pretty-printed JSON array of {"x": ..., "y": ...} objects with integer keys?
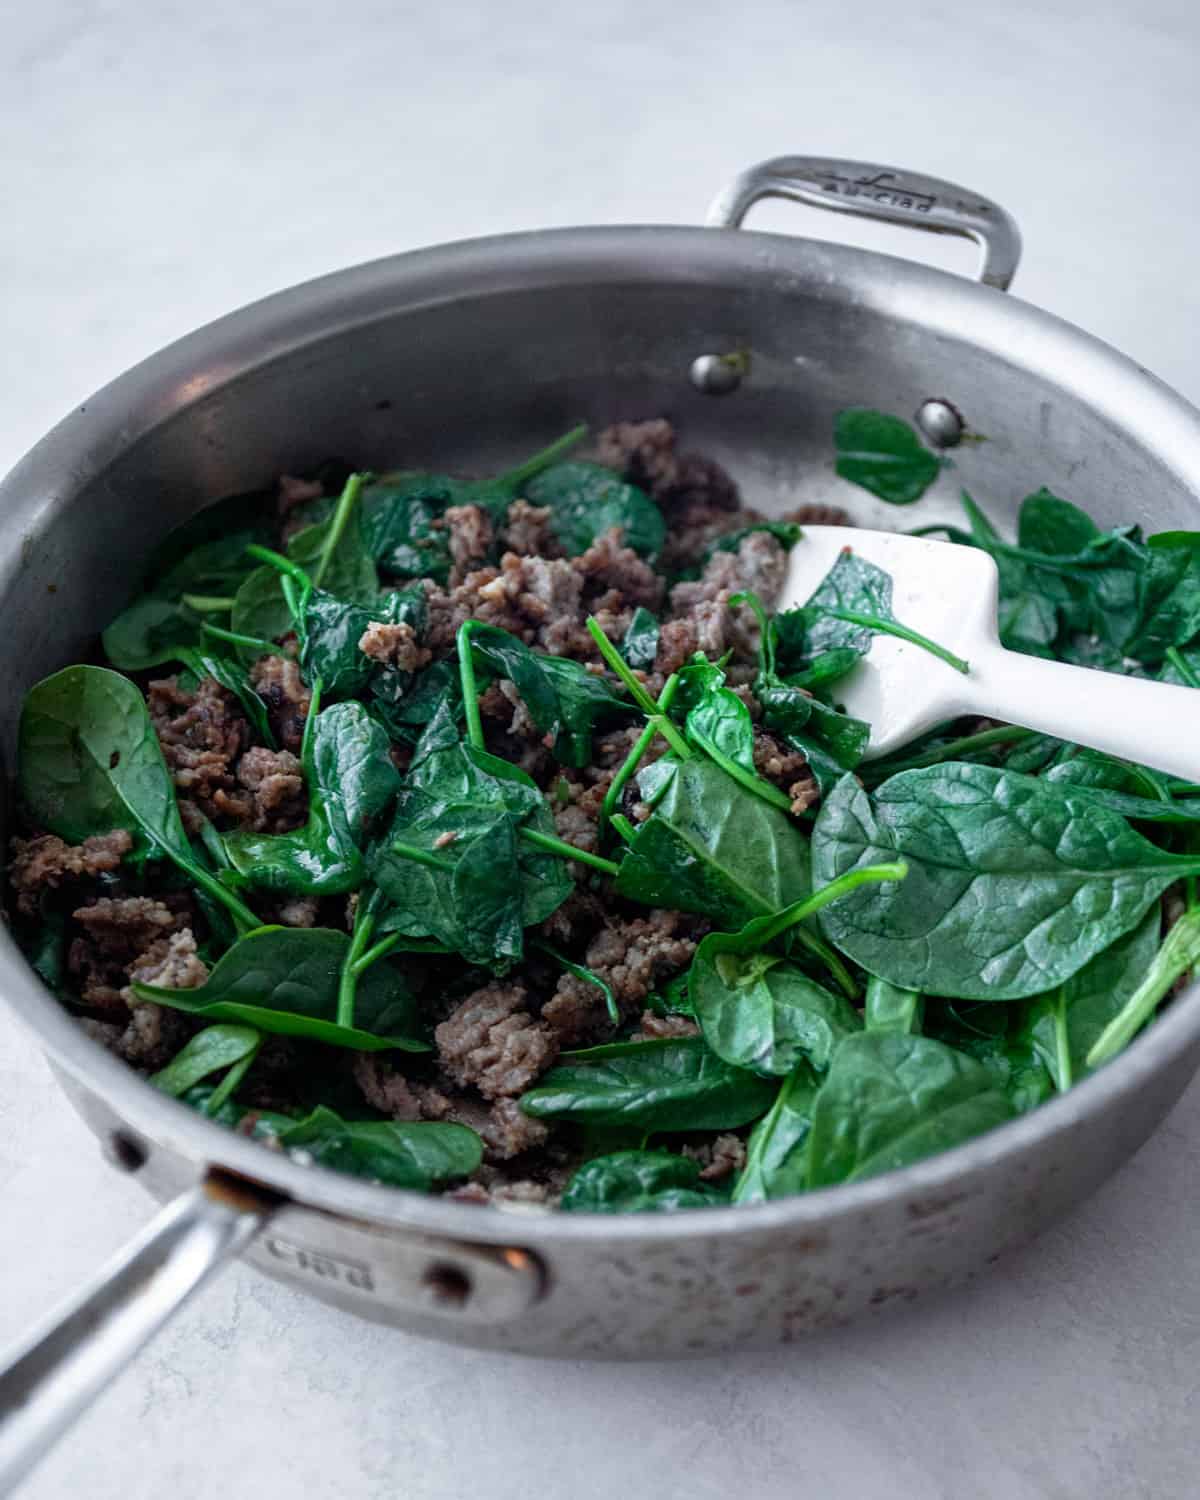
[
  {"x": 882, "y": 454},
  {"x": 451, "y": 864},
  {"x": 1014, "y": 883},
  {"x": 628, "y": 1182},
  {"x": 212, "y": 1050},
  {"x": 1067, "y": 1022},
  {"x": 712, "y": 847},
  {"x": 351, "y": 784},
  {"x": 90, "y": 762},
  {"x": 586, "y": 500},
  {"x": 777, "y": 1148},
  {"x": 889, "y": 1008},
  {"x": 397, "y": 1153},
  {"x": 333, "y": 627},
  {"x": 891, "y": 1099},
  {"x": 284, "y": 980},
  {"x": 659, "y": 1085}
]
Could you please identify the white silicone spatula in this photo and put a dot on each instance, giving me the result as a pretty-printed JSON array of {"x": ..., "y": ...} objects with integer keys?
[{"x": 950, "y": 593}]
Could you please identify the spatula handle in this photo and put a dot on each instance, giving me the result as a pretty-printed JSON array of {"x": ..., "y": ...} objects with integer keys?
[{"x": 1156, "y": 724}]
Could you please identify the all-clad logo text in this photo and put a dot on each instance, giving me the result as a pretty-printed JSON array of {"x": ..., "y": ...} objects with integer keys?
[
  {"x": 880, "y": 188},
  {"x": 339, "y": 1268}
]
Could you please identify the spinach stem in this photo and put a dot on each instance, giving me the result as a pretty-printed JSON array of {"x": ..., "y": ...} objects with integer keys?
[
  {"x": 1179, "y": 953},
  {"x": 288, "y": 584},
  {"x": 241, "y": 913},
  {"x": 208, "y": 604},
  {"x": 420, "y": 856},
  {"x": 1062, "y": 1042},
  {"x": 766, "y": 644},
  {"x": 310, "y": 724},
  {"x": 967, "y": 745},
  {"x": 834, "y": 891},
  {"x": 624, "y": 827},
  {"x": 752, "y": 782},
  {"x": 470, "y": 691},
  {"x": 385, "y": 945},
  {"x": 621, "y": 667},
  {"x": 231, "y": 1080},
  {"x": 610, "y": 1000},
  {"x": 364, "y": 925},
  {"x": 894, "y": 627},
  {"x": 662, "y": 725},
  {"x": 280, "y": 563},
  {"x": 1182, "y": 666},
  {"x": 832, "y": 960},
  {"x": 553, "y": 845},
  {"x": 251, "y": 642},
  {"x": 543, "y": 460},
  {"x": 338, "y": 522},
  {"x": 631, "y": 762}
]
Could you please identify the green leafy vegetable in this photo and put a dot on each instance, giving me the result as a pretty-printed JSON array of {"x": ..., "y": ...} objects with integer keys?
[
  {"x": 586, "y": 500},
  {"x": 397, "y": 1153},
  {"x": 891, "y": 1099},
  {"x": 1014, "y": 884},
  {"x": 90, "y": 762},
  {"x": 351, "y": 784},
  {"x": 629, "y": 1182},
  {"x": 712, "y": 847},
  {"x": 883, "y": 454},
  {"x": 889, "y": 1008},
  {"x": 285, "y": 980},
  {"x": 210, "y": 1051},
  {"x": 777, "y": 1148},
  {"x": 658, "y": 1085},
  {"x": 639, "y": 645}
]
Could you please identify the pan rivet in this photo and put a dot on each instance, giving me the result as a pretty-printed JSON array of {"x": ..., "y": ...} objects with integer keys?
[
  {"x": 718, "y": 374},
  {"x": 446, "y": 1285},
  {"x": 941, "y": 422},
  {"x": 124, "y": 1151}
]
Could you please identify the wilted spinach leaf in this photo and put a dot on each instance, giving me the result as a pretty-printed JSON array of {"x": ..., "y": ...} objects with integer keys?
[
  {"x": 285, "y": 980},
  {"x": 629, "y": 1182},
  {"x": 659, "y": 1085},
  {"x": 891, "y": 1099},
  {"x": 777, "y": 1148},
  {"x": 586, "y": 500},
  {"x": 883, "y": 454},
  {"x": 1014, "y": 883},
  {"x": 398, "y": 1153}
]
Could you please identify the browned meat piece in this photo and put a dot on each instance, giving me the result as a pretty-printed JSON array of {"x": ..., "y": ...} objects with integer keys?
[
  {"x": 786, "y": 769},
  {"x": 293, "y": 492},
  {"x": 44, "y": 862},
  {"x": 609, "y": 565},
  {"x": 277, "y": 681},
  {"x": 394, "y": 645},
  {"x": 491, "y": 1042},
  {"x": 383, "y": 1088},
  {"x": 148, "y": 1039},
  {"x": 655, "y": 1026},
  {"x": 573, "y": 824},
  {"x": 509, "y": 1131},
  {"x": 644, "y": 452},
  {"x": 171, "y": 963},
  {"x": 576, "y": 1012},
  {"x": 527, "y": 531},
  {"x": 759, "y": 565},
  {"x": 818, "y": 515},
  {"x": 275, "y": 780},
  {"x": 677, "y": 641},
  {"x": 635, "y": 955},
  {"x": 535, "y": 598},
  {"x": 470, "y": 530},
  {"x": 300, "y": 911},
  {"x": 719, "y": 1159},
  {"x": 201, "y": 735},
  {"x": 116, "y": 933}
]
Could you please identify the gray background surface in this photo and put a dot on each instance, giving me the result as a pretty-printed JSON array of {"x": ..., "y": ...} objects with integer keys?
[{"x": 163, "y": 164}]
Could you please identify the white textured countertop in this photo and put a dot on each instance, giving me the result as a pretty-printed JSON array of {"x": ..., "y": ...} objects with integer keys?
[{"x": 165, "y": 163}]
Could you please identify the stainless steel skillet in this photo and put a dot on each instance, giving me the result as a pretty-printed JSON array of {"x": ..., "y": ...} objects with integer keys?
[{"x": 467, "y": 355}]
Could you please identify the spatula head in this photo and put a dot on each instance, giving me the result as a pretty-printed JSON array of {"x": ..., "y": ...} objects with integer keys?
[{"x": 942, "y": 590}]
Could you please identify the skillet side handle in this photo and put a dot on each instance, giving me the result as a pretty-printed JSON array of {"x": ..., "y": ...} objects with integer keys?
[
  {"x": 66, "y": 1363},
  {"x": 872, "y": 191}
]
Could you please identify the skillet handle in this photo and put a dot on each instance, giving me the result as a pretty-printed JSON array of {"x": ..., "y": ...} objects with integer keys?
[
  {"x": 66, "y": 1363},
  {"x": 875, "y": 192}
]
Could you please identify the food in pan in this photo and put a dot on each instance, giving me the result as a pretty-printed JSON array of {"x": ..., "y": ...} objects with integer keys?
[{"x": 499, "y": 838}]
